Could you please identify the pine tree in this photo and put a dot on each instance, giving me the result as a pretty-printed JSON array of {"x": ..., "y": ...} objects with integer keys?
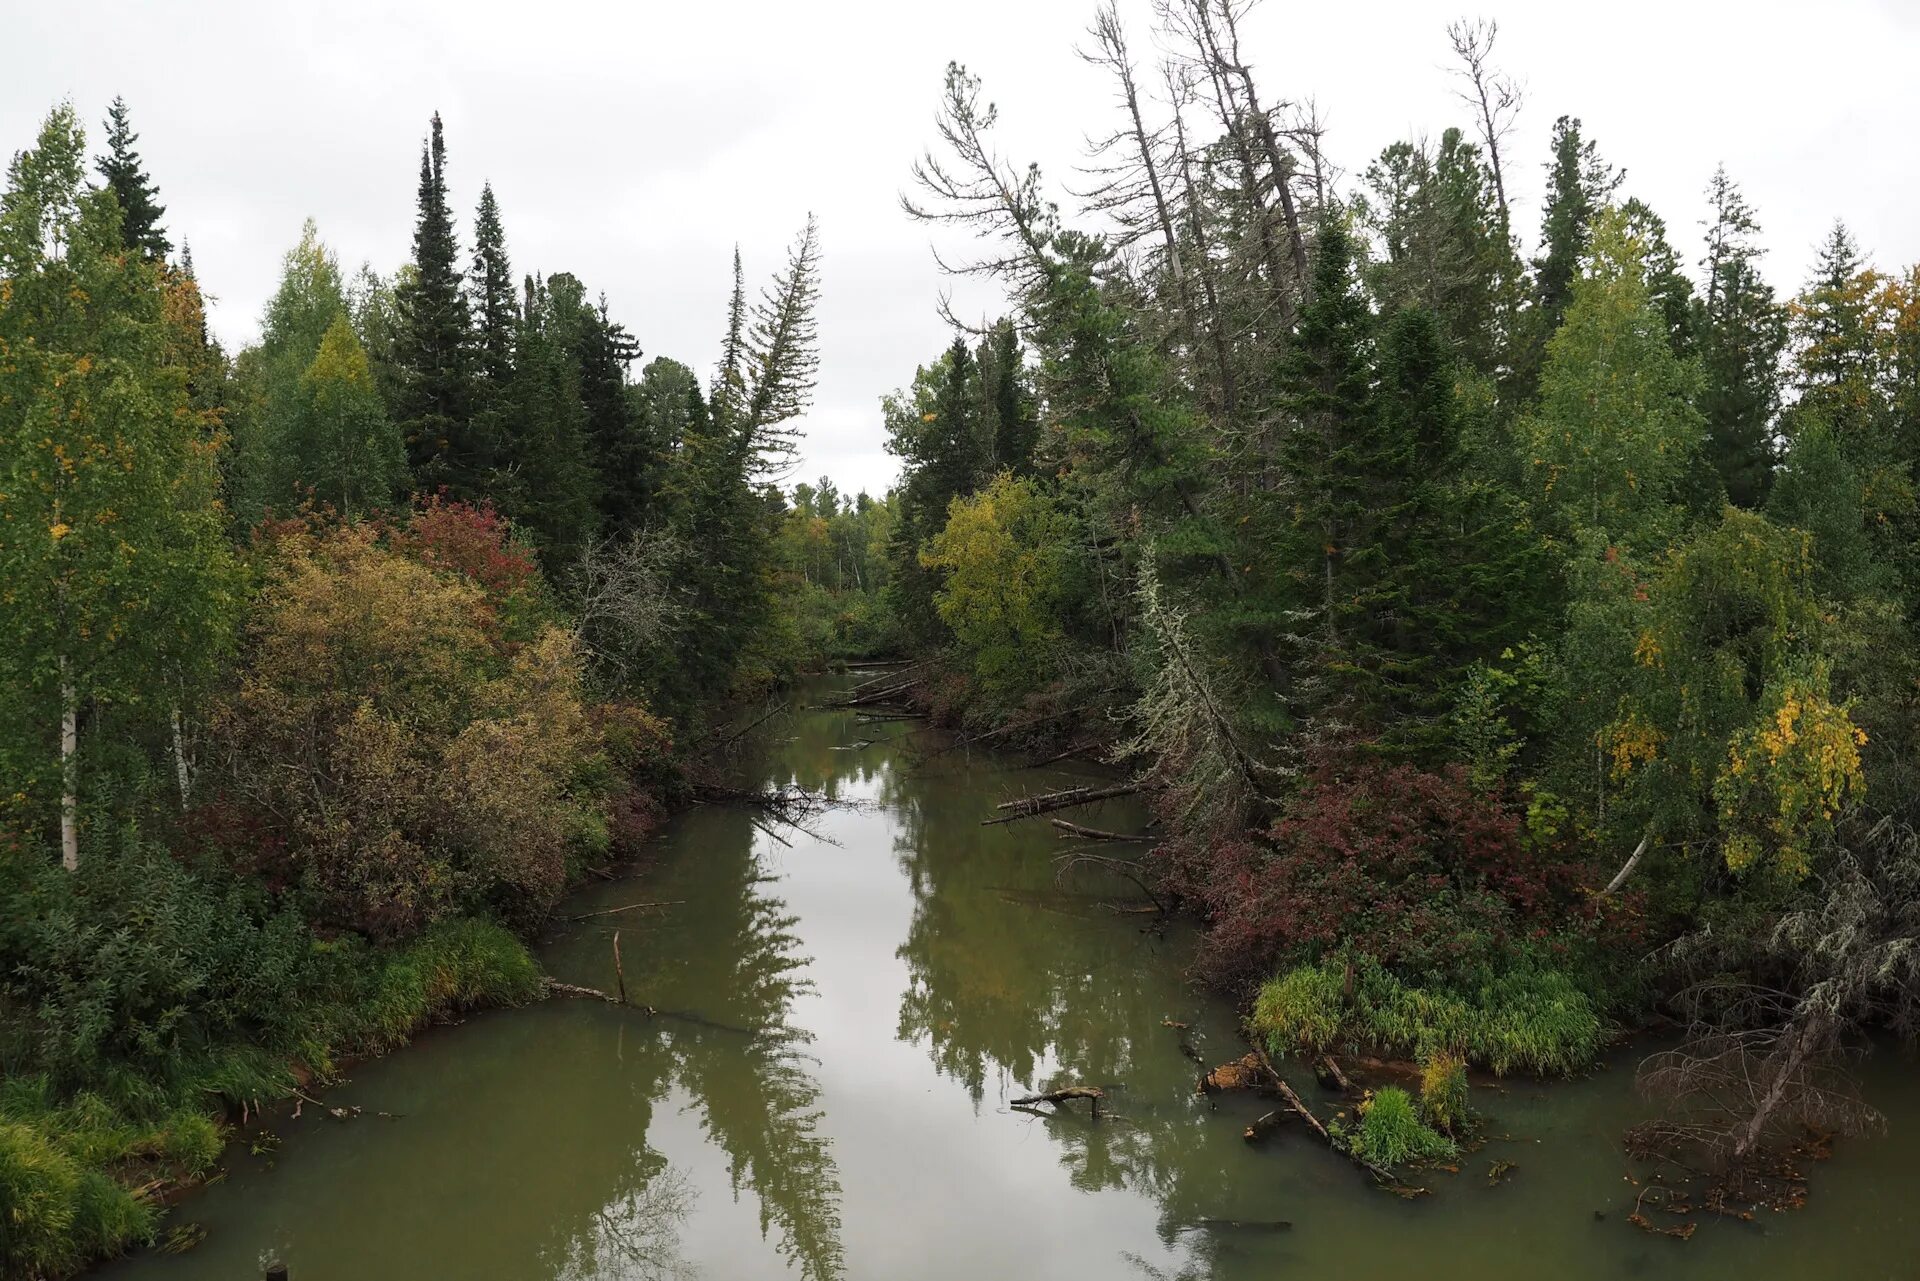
[
  {"x": 435, "y": 341},
  {"x": 1579, "y": 185},
  {"x": 126, "y": 177},
  {"x": 1742, "y": 333}
]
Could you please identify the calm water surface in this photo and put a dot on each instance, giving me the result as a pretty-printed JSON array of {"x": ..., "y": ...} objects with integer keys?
[{"x": 828, "y": 1095}]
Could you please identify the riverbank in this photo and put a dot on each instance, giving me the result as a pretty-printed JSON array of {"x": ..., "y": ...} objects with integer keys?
[{"x": 847, "y": 1018}]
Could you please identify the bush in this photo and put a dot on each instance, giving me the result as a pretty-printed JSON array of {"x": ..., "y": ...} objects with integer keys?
[
  {"x": 1391, "y": 1132},
  {"x": 130, "y": 972},
  {"x": 1420, "y": 871},
  {"x": 423, "y": 757}
]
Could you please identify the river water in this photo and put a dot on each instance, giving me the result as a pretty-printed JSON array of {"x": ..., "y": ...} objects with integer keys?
[{"x": 845, "y": 1017}]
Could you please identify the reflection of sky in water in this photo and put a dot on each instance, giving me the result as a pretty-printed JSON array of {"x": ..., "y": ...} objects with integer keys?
[{"x": 911, "y": 970}]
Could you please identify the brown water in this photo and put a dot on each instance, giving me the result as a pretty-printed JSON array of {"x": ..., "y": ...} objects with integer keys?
[{"x": 828, "y": 1096}]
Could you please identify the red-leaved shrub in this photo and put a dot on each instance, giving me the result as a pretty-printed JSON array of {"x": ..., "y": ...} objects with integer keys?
[{"x": 1420, "y": 870}]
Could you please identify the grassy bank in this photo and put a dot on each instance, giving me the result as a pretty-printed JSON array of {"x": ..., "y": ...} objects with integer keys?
[{"x": 87, "y": 1157}]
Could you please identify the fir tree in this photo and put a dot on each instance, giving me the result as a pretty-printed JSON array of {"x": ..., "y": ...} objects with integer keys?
[
  {"x": 493, "y": 298},
  {"x": 434, "y": 343},
  {"x": 127, "y": 179},
  {"x": 549, "y": 486},
  {"x": 1742, "y": 333}
]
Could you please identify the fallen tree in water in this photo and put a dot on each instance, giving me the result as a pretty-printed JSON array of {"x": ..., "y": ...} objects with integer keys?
[
  {"x": 1047, "y": 802},
  {"x": 1067, "y": 1094}
]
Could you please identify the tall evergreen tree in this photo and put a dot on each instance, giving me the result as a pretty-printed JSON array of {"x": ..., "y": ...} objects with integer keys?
[
  {"x": 493, "y": 298},
  {"x": 126, "y": 176},
  {"x": 435, "y": 341},
  {"x": 1742, "y": 333},
  {"x": 1008, "y": 399},
  {"x": 548, "y": 482}
]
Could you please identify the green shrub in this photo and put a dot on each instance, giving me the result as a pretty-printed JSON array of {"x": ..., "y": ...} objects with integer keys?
[{"x": 1391, "y": 1132}]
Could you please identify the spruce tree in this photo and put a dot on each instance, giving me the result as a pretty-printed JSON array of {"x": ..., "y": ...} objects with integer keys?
[
  {"x": 1742, "y": 333},
  {"x": 434, "y": 344},
  {"x": 552, "y": 489},
  {"x": 493, "y": 298},
  {"x": 127, "y": 179},
  {"x": 1009, "y": 401}
]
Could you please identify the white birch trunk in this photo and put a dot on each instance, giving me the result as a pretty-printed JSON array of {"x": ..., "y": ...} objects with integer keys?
[{"x": 69, "y": 771}]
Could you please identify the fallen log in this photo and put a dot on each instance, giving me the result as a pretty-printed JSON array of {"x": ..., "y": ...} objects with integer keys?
[
  {"x": 1327, "y": 1068},
  {"x": 554, "y": 987},
  {"x": 1092, "y": 1093},
  {"x": 1093, "y": 833},
  {"x": 1046, "y": 802},
  {"x": 1291, "y": 1099},
  {"x": 624, "y": 907}
]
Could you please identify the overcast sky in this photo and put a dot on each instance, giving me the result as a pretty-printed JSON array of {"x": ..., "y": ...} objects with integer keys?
[{"x": 634, "y": 144}]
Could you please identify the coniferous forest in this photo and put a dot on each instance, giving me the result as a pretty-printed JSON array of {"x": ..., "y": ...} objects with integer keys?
[{"x": 1511, "y": 629}]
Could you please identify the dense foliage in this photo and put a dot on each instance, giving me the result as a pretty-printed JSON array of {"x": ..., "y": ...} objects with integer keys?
[
  {"x": 1482, "y": 621},
  {"x": 325, "y": 668}
]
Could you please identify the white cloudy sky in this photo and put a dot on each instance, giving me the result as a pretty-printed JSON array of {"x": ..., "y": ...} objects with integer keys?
[{"x": 633, "y": 144}]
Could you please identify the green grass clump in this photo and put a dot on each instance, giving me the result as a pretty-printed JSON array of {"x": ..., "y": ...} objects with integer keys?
[
  {"x": 1443, "y": 1092},
  {"x": 1302, "y": 1009},
  {"x": 1391, "y": 1132},
  {"x": 1522, "y": 1018},
  {"x": 455, "y": 965}
]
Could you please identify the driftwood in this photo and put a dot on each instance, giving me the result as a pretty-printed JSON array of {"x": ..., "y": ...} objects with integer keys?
[
  {"x": 554, "y": 987},
  {"x": 624, "y": 907},
  {"x": 1046, "y": 802},
  {"x": 1093, "y": 833},
  {"x": 1238, "y": 1225},
  {"x": 1092, "y": 1093}
]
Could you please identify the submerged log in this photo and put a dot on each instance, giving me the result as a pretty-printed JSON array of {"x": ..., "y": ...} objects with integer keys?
[
  {"x": 1327, "y": 1068},
  {"x": 1093, "y": 833},
  {"x": 1092, "y": 1093},
  {"x": 1046, "y": 802}
]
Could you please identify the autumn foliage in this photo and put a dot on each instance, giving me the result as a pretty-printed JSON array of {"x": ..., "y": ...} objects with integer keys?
[
  {"x": 417, "y": 757},
  {"x": 1419, "y": 870}
]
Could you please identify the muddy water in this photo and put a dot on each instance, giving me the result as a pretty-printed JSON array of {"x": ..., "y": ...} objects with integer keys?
[{"x": 825, "y": 1093}]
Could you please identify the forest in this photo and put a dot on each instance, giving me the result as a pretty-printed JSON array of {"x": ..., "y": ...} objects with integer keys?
[{"x": 1515, "y": 646}]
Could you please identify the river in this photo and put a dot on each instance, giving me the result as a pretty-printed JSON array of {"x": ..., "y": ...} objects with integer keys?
[{"x": 825, "y": 1093}]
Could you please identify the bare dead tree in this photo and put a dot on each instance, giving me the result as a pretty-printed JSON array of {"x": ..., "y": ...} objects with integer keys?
[
  {"x": 1179, "y": 85},
  {"x": 628, "y": 604},
  {"x": 1494, "y": 96},
  {"x": 977, "y": 189}
]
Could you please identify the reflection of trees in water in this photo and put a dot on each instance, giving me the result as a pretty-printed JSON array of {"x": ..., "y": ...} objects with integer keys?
[
  {"x": 1014, "y": 975},
  {"x": 636, "y": 1236},
  {"x": 758, "y": 1099}
]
